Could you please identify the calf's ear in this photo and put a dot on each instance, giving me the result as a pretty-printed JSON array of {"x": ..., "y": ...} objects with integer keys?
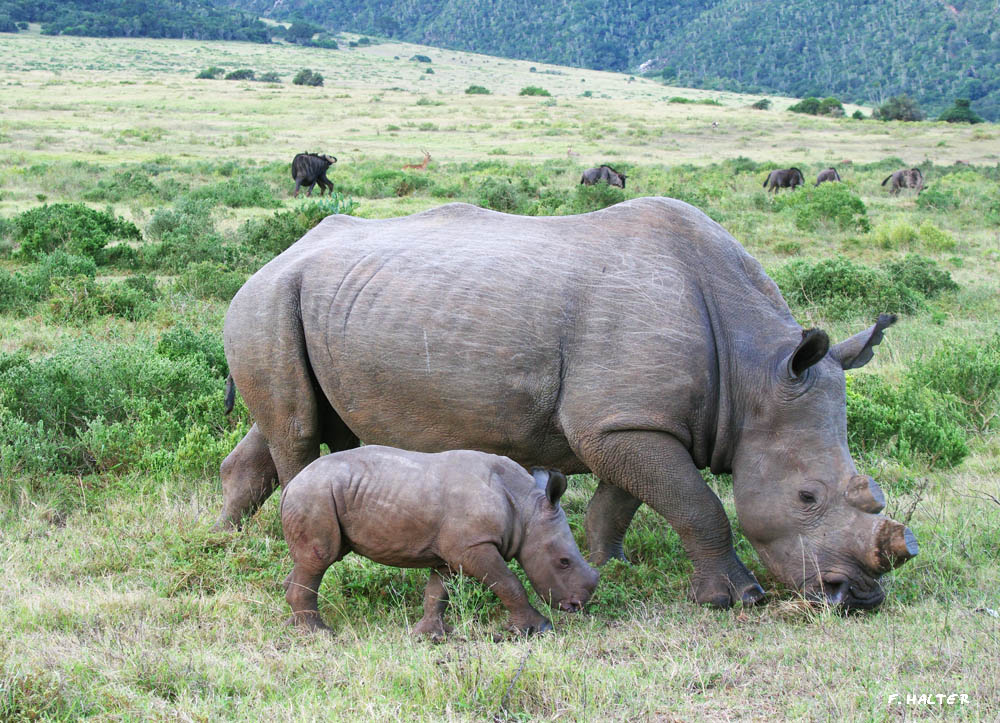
[
  {"x": 859, "y": 349},
  {"x": 552, "y": 481}
]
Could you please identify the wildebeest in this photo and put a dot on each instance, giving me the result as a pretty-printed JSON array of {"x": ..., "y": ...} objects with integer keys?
[
  {"x": 905, "y": 178},
  {"x": 827, "y": 174},
  {"x": 657, "y": 348},
  {"x": 308, "y": 169},
  {"x": 784, "y": 178},
  {"x": 603, "y": 173}
]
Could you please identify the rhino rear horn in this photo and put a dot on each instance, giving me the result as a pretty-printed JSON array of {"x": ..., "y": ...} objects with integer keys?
[
  {"x": 860, "y": 348},
  {"x": 863, "y": 494},
  {"x": 552, "y": 481}
]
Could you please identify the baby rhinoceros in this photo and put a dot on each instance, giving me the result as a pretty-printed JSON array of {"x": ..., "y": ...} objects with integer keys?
[{"x": 453, "y": 511}]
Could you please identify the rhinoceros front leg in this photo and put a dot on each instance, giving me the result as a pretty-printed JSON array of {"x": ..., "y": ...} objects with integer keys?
[
  {"x": 248, "y": 479},
  {"x": 655, "y": 468},
  {"x": 608, "y": 516}
]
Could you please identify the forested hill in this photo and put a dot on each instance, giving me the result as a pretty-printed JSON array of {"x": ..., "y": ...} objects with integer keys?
[
  {"x": 858, "y": 50},
  {"x": 196, "y": 19}
]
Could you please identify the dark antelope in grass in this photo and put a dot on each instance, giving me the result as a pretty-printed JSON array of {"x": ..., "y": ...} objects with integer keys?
[
  {"x": 308, "y": 169},
  {"x": 656, "y": 349}
]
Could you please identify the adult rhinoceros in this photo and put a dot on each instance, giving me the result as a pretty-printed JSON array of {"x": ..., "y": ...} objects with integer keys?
[{"x": 640, "y": 343}]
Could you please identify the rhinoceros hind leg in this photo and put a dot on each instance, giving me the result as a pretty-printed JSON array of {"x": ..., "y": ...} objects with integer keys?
[
  {"x": 302, "y": 594},
  {"x": 656, "y": 468},
  {"x": 435, "y": 603},
  {"x": 248, "y": 479},
  {"x": 608, "y": 516}
]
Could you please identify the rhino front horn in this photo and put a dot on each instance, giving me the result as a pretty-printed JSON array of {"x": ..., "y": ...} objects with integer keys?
[
  {"x": 863, "y": 494},
  {"x": 894, "y": 545}
]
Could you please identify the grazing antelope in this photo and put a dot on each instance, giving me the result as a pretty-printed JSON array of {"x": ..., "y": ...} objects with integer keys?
[{"x": 422, "y": 166}]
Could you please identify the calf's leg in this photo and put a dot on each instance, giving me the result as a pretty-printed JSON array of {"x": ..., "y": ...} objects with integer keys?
[
  {"x": 484, "y": 563},
  {"x": 435, "y": 603}
]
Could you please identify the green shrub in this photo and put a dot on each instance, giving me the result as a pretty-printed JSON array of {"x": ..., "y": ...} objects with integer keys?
[
  {"x": 908, "y": 422},
  {"x": 934, "y": 238},
  {"x": 307, "y": 77},
  {"x": 899, "y": 107},
  {"x": 596, "y": 197},
  {"x": 500, "y": 194},
  {"x": 17, "y": 296},
  {"x": 969, "y": 371},
  {"x": 208, "y": 280},
  {"x": 843, "y": 289},
  {"x": 421, "y": 58},
  {"x": 937, "y": 198},
  {"x": 270, "y": 77},
  {"x": 477, "y": 90},
  {"x": 76, "y": 228},
  {"x": 268, "y": 237},
  {"x": 127, "y": 184},
  {"x": 858, "y": 115},
  {"x": 90, "y": 406},
  {"x": 894, "y": 235},
  {"x": 203, "y": 347},
  {"x": 241, "y": 74},
  {"x": 534, "y": 90},
  {"x": 239, "y": 193},
  {"x": 830, "y": 203},
  {"x": 960, "y": 113},
  {"x": 182, "y": 235},
  {"x": 210, "y": 73},
  {"x": 814, "y": 106},
  {"x": 920, "y": 274},
  {"x": 762, "y": 104}
]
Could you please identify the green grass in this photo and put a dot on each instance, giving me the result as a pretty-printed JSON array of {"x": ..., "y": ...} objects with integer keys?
[{"x": 118, "y": 602}]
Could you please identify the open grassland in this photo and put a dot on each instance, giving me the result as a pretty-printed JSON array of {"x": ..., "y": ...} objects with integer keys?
[{"x": 117, "y": 601}]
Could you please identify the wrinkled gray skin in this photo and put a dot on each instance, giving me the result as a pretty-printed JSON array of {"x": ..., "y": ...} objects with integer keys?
[
  {"x": 603, "y": 173},
  {"x": 308, "y": 169},
  {"x": 454, "y": 511},
  {"x": 905, "y": 178},
  {"x": 784, "y": 178},
  {"x": 827, "y": 174},
  {"x": 657, "y": 348}
]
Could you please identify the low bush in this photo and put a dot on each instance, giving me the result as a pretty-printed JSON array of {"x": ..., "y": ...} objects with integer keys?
[
  {"x": 210, "y": 280},
  {"x": 94, "y": 407},
  {"x": 477, "y": 90},
  {"x": 204, "y": 347},
  {"x": 934, "y": 239},
  {"x": 78, "y": 299},
  {"x": 307, "y": 77},
  {"x": 420, "y": 58},
  {"x": 268, "y": 237},
  {"x": 907, "y": 422},
  {"x": 270, "y": 77},
  {"x": 833, "y": 204},
  {"x": 73, "y": 227},
  {"x": 841, "y": 289},
  {"x": 596, "y": 197},
  {"x": 960, "y": 112},
  {"x": 815, "y": 106},
  {"x": 240, "y": 74},
  {"x": 762, "y": 104},
  {"x": 969, "y": 371},
  {"x": 534, "y": 90},
  {"x": 238, "y": 193},
  {"x": 210, "y": 73},
  {"x": 500, "y": 194}
]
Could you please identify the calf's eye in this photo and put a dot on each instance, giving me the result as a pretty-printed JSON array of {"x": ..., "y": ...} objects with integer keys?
[{"x": 807, "y": 497}]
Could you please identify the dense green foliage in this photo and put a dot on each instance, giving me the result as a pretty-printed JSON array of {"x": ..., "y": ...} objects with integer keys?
[
  {"x": 859, "y": 51},
  {"x": 899, "y": 108},
  {"x": 194, "y": 19},
  {"x": 308, "y": 77},
  {"x": 960, "y": 112},
  {"x": 70, "y": 226},
  {"x": 816, "y": 106}
]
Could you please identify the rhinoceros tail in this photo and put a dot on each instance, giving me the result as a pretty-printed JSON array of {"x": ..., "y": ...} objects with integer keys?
[
  {"x": 886, "y": 179},
  {"x": 230, "y": 393}
]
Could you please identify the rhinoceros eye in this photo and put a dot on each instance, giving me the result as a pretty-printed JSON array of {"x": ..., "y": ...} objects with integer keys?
[
  {"x": 564, "y": 562},
  {"x": 807, "y": 497}
]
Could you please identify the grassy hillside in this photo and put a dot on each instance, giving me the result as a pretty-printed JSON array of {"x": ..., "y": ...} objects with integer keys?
[
  {"x": 858, "y": 50},
  {"x": 135, "y": 200}
]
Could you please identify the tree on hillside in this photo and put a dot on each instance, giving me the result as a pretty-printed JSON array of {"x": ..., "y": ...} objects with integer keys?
[
  {"x": 899, "y": 107},
  {"x": 960, "y": 113}
]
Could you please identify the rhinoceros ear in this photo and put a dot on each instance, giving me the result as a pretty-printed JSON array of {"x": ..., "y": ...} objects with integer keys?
[
  {"x": 552, "y": 481},
  {"x": 813, "y": 347},
  {"x": 860, "y": 348}
]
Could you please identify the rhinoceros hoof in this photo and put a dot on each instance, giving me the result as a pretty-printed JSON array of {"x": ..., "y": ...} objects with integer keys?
[
  {"x": 724, "y": 593},
  {"x": 308, "y": 621},
  {"x": 544, "y": 625},
  {"x": 433, "y": 629}
]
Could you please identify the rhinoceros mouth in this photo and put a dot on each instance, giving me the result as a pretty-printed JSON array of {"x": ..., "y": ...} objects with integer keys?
[{"x": 845, "y": 593}]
